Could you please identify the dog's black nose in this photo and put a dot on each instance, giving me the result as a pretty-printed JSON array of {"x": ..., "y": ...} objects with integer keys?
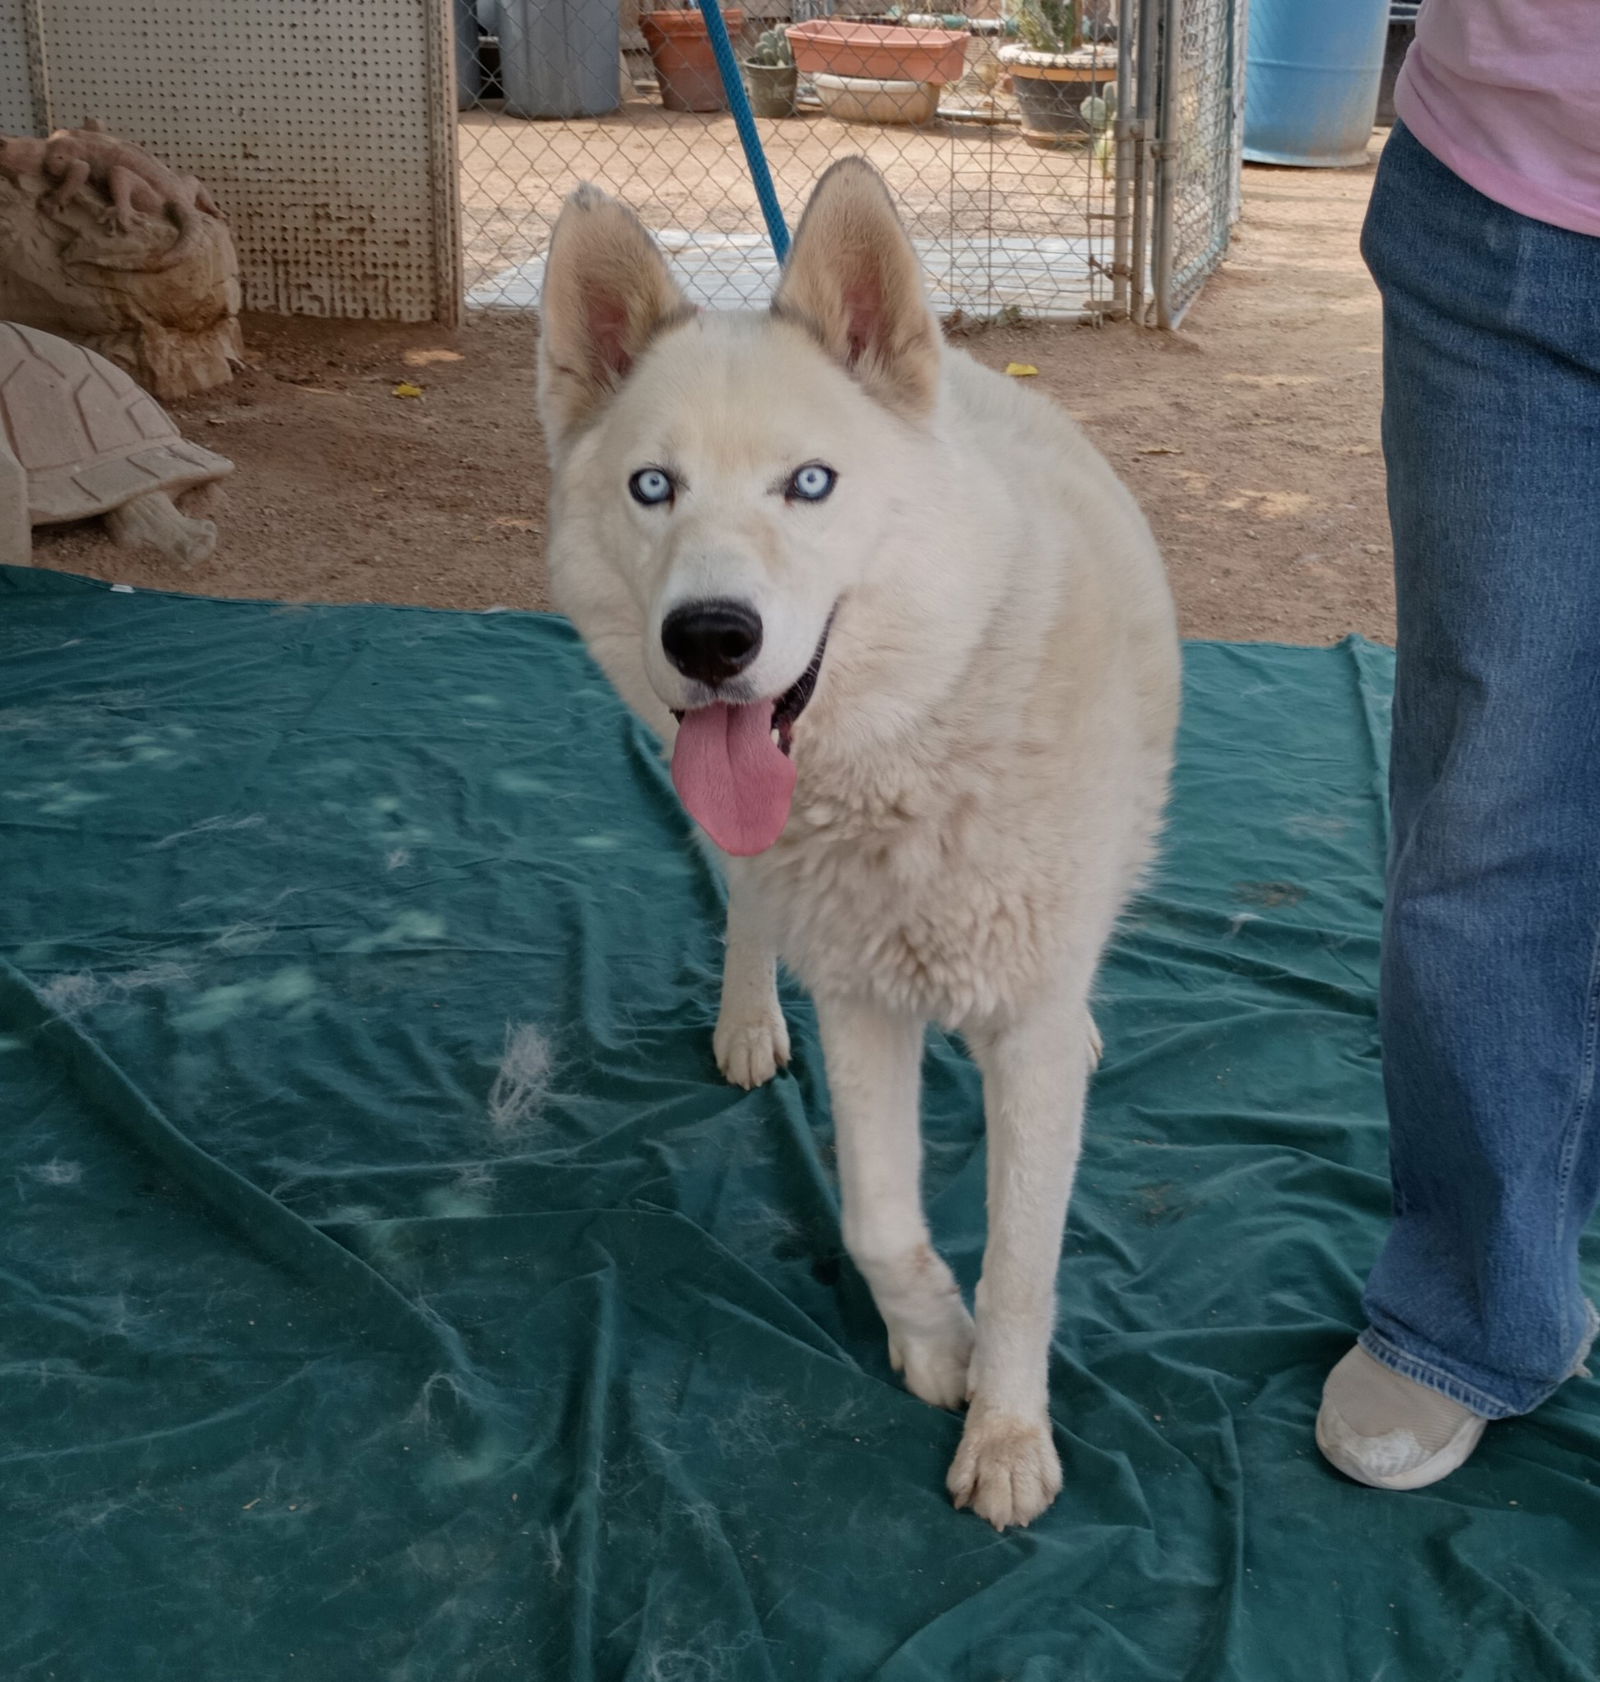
[{"x": 711, "y": 641}]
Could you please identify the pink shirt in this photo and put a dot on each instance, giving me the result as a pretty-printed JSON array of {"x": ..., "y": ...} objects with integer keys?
[{"x": 1506, "y": 93}]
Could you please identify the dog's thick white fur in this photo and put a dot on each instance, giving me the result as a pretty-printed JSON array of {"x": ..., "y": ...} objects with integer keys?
[{"x": 983, "y": 761}]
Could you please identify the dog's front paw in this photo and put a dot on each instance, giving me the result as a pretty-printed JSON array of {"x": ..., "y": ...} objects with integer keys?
[
  {"x": 751, "y": 1049},
  {"x": 935, "y": 1361},
  {"x": 1006, "y": 1468}
]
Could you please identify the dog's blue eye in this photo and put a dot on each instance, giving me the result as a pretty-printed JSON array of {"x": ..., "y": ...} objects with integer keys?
[
  {"x": 811, "y": 483},
  {"x": 650, "y": 486}
]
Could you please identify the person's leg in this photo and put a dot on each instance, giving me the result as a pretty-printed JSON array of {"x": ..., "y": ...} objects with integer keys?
[{"x": 1491, "y": 970}]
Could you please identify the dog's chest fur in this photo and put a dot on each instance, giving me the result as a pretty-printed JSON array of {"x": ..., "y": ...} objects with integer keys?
[{"x": 930, "y": 883}]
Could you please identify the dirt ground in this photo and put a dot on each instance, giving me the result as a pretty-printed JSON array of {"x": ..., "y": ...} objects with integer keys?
[{"x": 1251, "y": 438}]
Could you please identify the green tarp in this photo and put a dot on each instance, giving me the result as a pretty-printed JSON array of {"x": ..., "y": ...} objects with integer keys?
[{"x": 392, "y": 1291}]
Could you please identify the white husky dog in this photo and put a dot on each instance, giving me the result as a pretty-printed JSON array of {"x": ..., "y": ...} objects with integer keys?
[{"x": 913, "y": 647}]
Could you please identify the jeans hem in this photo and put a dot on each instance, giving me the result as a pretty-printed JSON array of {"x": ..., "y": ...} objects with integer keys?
[
  {"x": 1471, "y": 1396},
  {"x": 1580, "y": 1362}
]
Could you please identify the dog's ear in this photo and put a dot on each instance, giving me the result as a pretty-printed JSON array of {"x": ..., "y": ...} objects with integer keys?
[
  {"x": 854, "y": 281},
  {"x": 607, "y": 293}
]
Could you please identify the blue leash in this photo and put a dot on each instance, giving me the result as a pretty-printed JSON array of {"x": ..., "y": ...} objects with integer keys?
[{"x": 744, "y": 120}]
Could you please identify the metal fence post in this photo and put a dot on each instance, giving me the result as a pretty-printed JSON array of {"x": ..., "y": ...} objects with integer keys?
[
  {"x": 1144, "y": 101},
  {"x": 1122, "y": 191},
  {"x": 1163, "y": 152}
]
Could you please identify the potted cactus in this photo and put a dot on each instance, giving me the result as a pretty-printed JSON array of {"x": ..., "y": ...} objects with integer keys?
[
  {"x": 1099, "y": 111},
  {"x": 770, "y": 75},
  {"x": 1054, "y": 73}
]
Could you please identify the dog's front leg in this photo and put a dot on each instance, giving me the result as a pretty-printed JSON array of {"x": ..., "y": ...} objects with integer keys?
[
  {"x": 1035, "y": 1069},
  {"x": 874, "y": 1063},
  {"x": 752, "y": 1038}
]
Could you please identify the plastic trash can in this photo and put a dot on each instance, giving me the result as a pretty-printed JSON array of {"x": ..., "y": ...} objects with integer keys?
[
  {"x": 560, "y": 58},
  {"x": 469, "y": 66},
  {"x": 1311, "y": 80}
]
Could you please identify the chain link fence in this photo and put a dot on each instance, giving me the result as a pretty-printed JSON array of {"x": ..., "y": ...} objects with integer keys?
[{"x": 1001, "y": 128}]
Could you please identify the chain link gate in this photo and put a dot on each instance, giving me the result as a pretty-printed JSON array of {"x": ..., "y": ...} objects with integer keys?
[
  {"x": 1029, "y": 144},
  {"x": 1196, "y": 151}
]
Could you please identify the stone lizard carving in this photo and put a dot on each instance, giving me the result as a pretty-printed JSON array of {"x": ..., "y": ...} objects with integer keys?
[
  {"x": 107, "y": 245},
  {"x": 116, "y": 180}
]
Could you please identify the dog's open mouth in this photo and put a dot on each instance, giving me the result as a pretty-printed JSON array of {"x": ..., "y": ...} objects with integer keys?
[
  {"x": 732, "y": 765},
  {"x": 795, "y": 699}
]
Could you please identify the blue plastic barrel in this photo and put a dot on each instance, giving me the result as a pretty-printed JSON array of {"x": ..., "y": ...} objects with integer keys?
[
  {"x": 561, "y": 58},
  {"x": 1311, "y": 80}
]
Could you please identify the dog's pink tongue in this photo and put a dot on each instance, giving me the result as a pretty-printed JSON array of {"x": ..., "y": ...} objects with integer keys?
[{"x": 736, "y": 781}]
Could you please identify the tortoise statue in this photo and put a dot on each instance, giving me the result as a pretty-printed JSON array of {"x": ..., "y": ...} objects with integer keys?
[{"x": 78, "y": 438}]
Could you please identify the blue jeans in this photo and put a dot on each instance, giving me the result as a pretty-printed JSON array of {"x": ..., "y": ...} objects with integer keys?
[{"x": 1490, "y": 1002}]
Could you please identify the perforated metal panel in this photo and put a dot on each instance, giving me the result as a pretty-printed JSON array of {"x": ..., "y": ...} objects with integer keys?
[
  {"x": 19, "y": 111},
  {"x": 323, "y": 127}
]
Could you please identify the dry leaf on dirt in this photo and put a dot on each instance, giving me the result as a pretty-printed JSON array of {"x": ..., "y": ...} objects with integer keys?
[
  {"x": 1021, "y": 370},
  {"x": 407, "y": 389}
]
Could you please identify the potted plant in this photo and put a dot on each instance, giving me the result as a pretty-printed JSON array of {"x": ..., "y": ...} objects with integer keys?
[
  {"x": 878, "y": 72},
  {"x": 1053, "y": 73},
  {"x": 685, "y": 66},
  {"x": 771, "y": 76},
  {"x": 878, "y": 51}
]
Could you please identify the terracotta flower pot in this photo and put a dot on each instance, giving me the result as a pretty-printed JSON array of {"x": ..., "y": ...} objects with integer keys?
[
  {"x": 878, "y": 52},
  {"x": 685, "y": 66}
]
